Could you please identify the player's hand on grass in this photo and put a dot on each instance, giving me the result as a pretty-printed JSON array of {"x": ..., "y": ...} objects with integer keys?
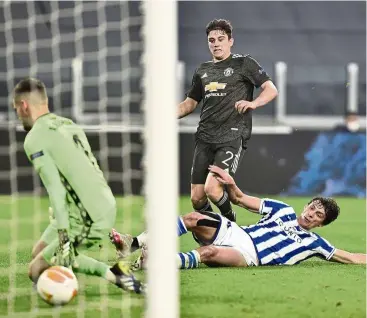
[
  {"x": 221, "y": 175},
  {"x": 243, "y": 105},
  {"x": 65, "y": 252}
]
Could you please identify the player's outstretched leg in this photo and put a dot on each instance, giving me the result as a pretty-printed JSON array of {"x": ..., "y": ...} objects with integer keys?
[
  {"x": 203, "y": 224},
  {"x": 119, "y": 274},
  {"x": 126, "y": 244},
  {"x": 211, "y": 255}
]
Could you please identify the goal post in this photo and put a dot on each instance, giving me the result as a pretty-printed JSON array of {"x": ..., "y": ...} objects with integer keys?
[{"x": 161, "y": 135}]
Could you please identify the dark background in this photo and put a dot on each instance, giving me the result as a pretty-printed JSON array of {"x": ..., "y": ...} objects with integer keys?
[{"x": 267, "y": 168}]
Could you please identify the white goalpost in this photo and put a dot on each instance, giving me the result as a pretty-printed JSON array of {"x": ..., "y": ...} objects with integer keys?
[{"x": 161, "y": 136}]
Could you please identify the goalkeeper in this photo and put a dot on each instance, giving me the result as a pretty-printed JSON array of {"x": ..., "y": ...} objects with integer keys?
[{"x": 83, "y": 204}]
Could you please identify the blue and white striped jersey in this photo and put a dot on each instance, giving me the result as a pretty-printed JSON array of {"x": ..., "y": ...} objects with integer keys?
[{"x": 279, "y": 239}]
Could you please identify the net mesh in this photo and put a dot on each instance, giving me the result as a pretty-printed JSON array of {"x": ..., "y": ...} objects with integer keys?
[{"x": 88, "y": 54}]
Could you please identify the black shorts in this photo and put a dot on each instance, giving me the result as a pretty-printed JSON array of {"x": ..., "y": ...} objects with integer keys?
[{"x": 227, "y": 156}]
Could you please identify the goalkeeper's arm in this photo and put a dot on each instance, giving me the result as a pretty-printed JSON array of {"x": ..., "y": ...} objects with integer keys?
[
  {"x": 56, "y": 192},
  {"x": 50, "y": 176}
]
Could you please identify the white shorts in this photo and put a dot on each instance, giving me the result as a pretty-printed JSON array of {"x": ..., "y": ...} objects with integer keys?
[{"x": 231, "y": 235}]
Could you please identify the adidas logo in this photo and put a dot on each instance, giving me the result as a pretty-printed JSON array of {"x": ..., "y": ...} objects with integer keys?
[{"x": 205, "y": 75}]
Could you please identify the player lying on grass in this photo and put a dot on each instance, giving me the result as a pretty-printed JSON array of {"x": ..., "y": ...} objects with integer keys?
[
  {"x": 280, "y": 237},
  {"x": 82, "y": 202}
]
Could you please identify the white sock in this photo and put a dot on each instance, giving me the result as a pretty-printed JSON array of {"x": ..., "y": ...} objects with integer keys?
[{"x": 142, "y": 238}]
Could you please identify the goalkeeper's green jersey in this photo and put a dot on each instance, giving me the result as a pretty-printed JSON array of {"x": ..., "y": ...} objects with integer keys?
[{"x": 78, "y": 192}]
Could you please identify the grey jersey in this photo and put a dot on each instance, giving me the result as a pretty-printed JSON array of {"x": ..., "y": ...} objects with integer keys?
[{"x": 219, "y": 86}]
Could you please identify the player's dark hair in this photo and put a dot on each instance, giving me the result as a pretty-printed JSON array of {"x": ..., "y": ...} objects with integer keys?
[
  {"x": 331, "y": 208},
  {"x": 29, "y": 85},
  {"x": 220, "y": 24}
]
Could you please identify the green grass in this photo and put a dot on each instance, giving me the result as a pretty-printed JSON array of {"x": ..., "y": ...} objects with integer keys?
[{"x": 314, "y": 288}]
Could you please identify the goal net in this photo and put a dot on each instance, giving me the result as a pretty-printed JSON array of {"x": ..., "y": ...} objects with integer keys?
[{"x": 101, "y": 67}]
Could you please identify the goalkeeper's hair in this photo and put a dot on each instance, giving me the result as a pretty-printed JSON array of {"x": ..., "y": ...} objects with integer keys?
[
  {"x": 220, "y": 24},
  {"x": 332, "y": 209},
  {"x": 30, "y": 85}
]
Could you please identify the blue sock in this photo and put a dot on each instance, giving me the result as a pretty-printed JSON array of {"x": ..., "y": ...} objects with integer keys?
[
  {"x": 181, "y": 228},
  {"x": 188, "y": 260}
]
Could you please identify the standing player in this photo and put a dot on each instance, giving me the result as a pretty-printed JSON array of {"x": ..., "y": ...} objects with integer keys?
[
  {"x": 225, "y": 86},
  {"x": 83, "y": 205}
]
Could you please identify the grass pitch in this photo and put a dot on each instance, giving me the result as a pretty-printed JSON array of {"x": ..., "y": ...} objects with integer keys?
[{"x": 315, "y": 288}]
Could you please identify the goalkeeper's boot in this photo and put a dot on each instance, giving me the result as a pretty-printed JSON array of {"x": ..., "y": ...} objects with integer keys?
[
  {"x": 230, "y": 215},
  {"x": 126, "y": 280},
  {"x": 122, "y": 243}
]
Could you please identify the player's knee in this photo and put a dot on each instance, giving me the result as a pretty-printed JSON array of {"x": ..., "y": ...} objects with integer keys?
[
  {"x": 37, "y": 248},
  {"x": 191, "y": 219},
  {"x": 208, "y": 253},
  {"x": 198, "y": 196},
  {"x": 36, "y": 268},
  {"x": 33, "y": 272}
]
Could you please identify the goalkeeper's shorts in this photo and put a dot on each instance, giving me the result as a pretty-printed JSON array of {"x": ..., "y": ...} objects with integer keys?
[{"x": 81, "y": 237}]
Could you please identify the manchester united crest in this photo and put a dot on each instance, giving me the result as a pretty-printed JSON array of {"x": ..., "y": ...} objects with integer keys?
[{"x": 228, "y": 71}]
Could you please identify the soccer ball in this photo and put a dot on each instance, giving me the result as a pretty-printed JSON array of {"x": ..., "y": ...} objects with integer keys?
[{"x": 57, "y": 285}]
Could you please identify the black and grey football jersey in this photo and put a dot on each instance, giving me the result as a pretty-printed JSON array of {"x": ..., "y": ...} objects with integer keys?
[{"x": 218, "y": 86}]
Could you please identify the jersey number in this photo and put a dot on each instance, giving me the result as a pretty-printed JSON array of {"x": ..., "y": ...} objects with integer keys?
[
  {"x": 89, "y": 155},
  {"x": 229, "y": 158}
]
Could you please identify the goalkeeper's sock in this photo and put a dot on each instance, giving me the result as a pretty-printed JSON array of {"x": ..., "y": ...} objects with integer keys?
[
  {"x": 205, "y": 208},
  {"x": 90, "y": 266},
  {"x": 122, "y": 278},
  {"x": 188, "y": 260},
  {"x": 225, "y": 207},
  {"x": 181, "y": 227}
]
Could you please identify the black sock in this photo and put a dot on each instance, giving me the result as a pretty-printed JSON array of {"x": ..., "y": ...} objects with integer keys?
[
  {"x": 135, "y": 244},
  {"x": 224, "y": 204},
  {"x": 206, "y": 207}
]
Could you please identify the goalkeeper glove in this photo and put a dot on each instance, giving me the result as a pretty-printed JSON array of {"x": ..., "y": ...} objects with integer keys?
[{"x": 65, "y": 253}]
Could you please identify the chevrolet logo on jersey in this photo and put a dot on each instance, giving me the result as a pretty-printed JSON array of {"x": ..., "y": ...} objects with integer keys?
[{"x": 213, "y": 87}]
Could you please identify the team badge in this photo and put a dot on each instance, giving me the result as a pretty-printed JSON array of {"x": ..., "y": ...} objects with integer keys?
[{"x": 228, "y": 71}]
